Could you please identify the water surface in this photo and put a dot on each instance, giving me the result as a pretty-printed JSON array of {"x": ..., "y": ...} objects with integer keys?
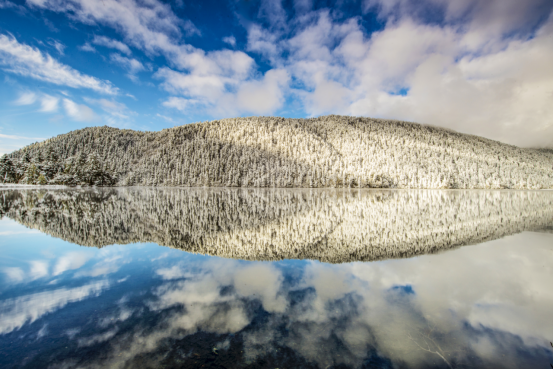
[{"x": 143, "y": 277}]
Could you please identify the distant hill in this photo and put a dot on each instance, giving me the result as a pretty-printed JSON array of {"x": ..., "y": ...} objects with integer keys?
[
  {"x": 330, "y": 151},
  {"x": 330, "y": 225}
]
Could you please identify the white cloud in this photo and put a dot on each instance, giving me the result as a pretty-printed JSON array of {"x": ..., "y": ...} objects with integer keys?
[
  {"x": 79, "y": 112},
  {"x": 479, "y": 56},
  {"x": 262, "y": 96},
  {"x": 111, "y": 43},
  {"x": 178, "y": 103},
  {"x": 49, "y": 103},
  {"x": 57, "y": 45},
  {"x": 87, "y": 47},
  {"x": 263, "y": 42},
  {"x": 28, "y": 61},
  {"x": 108, "y": 105},
  {"x": 151, "y": 26},
  {"x": 119, "y": 115},
  {"x": 469, "y": 62},
  {"x": 231, "y": 40},
  {"x": 265, "y": 96},
  {"x": 132, "y": 65},
  {"x": 26, "y": 98},
  {"x": 155, "y": 29}
]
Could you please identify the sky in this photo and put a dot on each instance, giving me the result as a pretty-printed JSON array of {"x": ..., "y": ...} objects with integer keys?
[{"x": 477, "y": 67}]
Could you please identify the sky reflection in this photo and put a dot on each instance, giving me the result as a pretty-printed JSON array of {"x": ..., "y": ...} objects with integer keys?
[{"x": 140, "y": 305}]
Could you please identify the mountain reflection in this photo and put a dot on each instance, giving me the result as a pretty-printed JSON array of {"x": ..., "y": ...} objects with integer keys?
[{"x": 263, "y": 224}]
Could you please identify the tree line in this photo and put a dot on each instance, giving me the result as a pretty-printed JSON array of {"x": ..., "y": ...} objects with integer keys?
[{"x": 49, "y": 169}]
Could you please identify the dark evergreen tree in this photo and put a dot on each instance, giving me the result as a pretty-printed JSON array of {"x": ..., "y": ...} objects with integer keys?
[
  {"x": 31, "y": 175},
  {"x": 51, "y": 165}
]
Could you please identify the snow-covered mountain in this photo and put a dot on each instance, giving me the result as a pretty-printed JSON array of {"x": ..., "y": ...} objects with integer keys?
[{"x": 330, "y": 151}]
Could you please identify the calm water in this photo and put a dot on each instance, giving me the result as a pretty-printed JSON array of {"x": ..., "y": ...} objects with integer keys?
[{"x": 275, "y": 278}]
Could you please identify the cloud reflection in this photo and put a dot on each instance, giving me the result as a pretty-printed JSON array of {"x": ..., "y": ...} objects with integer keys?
[
  {"x": 16, "y": 312},
  {"x": 481, "y": 305}
]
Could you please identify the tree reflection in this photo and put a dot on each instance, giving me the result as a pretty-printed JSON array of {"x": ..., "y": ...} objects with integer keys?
[{"x": 272, "y": 224}]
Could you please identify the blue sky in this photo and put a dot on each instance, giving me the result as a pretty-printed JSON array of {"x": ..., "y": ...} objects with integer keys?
[{"x": 479, "y": 67}]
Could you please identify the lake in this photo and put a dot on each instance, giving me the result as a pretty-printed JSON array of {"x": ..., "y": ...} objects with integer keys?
[{"x": 275, "y": 278}]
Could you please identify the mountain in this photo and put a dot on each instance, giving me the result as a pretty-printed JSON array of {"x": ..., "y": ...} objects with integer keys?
[
  {"x": 330, "y": 151},
  {"x": 330, "y": 225}
]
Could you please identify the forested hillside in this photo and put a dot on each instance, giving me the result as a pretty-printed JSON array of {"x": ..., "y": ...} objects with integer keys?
[
  {"x": 330, "y": 151},
  {"x": 330, "y": 225}
]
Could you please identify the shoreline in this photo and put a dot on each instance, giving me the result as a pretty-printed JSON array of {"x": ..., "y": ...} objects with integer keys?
[{"x": 30, "y": 186}]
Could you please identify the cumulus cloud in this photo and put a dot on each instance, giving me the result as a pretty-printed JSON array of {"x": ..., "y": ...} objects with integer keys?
[
  {"x": 179, "y": 103},
  {"x": 87, "y": 47},
  {"x": 484, "y": 68},
  {"x": 79, "y": 112},
  {"x": 263, "y": 96},
  {"x": 485, "y": 71},
  {"x": 28, "y": 61},
  {"x": 209, "y": 77},
  {"x": 26, "y": 98},
  {"x": 231, "y": 40},
  {"x": 49, "y": 103}
]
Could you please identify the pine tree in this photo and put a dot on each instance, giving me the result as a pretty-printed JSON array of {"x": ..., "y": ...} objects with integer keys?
[
  {"x": 51, "y": 167},
  {"x": 42, "y": 180},
  {"x": 31, "y": 175}
]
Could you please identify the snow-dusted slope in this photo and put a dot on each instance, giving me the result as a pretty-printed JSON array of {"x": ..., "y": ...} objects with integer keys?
[
  {"x": 331, "y": 151},
  {"x": 273, "y": 224}
]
